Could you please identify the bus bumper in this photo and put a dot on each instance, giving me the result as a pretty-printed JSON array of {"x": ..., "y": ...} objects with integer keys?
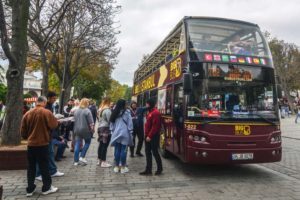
[{"x": 233, "y": 156}]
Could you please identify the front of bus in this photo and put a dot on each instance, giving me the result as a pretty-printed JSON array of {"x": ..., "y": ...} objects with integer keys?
[{"x": 232, "y": 111}]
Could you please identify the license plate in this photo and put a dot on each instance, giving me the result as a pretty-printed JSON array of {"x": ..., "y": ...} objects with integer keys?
[{"x": 242, "y": 156}]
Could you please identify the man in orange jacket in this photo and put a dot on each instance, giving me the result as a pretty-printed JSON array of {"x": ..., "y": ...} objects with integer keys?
[
  {"x": 35, "y": 127},
  {"x": 152, "y": 134}
]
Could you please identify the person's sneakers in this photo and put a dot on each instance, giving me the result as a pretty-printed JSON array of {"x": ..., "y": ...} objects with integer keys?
[
  {"x": 105, "y": 164},
  {"x": 157, "y": 173},
  {"x": 75, "y": 164},
  {"x": 124, "y": 170},
  {"x": 146, "y": 173},
  {"x": 30, "y": 194},
  {"x": 81, "y": 159},
  {"x": 131, "y": 155},
  {"x": 38, "y": 178},
  {"x": 116, "y": 169},
  {"x": 99, "y": 162},
  {"x": 139, "y": 154},
  {"x": 51, "y": 190},
  {"x": 57, "y": 174}
]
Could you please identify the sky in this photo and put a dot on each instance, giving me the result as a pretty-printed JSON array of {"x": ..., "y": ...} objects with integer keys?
[{"x": 145, "y": 23}]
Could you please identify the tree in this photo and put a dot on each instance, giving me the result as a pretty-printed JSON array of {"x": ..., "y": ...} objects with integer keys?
[
  {"x": 128, "y": 92},
  {"x": 3, "y": 92},
  {"x": 116, "y": 91},
  {"x": 286, "y": 59},
  {"x": 93, "y": 81},
  {"x": 45, "y": 20},
  {"x": 15, "y": 46},
  {"x": 88, "y": 37}
]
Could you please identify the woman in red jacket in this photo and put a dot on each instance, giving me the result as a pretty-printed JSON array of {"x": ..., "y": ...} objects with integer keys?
[{"x": 152, "y": 133}]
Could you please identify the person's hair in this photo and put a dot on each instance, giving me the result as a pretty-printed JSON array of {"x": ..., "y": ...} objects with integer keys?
[
  {"x": 51, "y": 94},
  {"x": 151, "y": 102},
  {"x": 133, "y": 102},
  {"x": 119, "y": 109},
  {"x": 84, "y": 103},
  {"x": 105, "y": 103},
  {"x": 76, "y": 102},
  {"x": 41, "y": 99}
]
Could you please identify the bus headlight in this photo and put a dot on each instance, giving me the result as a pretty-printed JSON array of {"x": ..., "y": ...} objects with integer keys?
[
  {"x": 275, "y": 139},
  {"x": 196, "y": 138},
  {"x": 203, "y": 139}
]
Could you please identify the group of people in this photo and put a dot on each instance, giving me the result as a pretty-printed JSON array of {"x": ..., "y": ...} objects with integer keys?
[{"x": 118, "y": 126}]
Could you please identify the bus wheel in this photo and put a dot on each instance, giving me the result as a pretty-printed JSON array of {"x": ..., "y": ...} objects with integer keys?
[{"x": 162, "y": 145}]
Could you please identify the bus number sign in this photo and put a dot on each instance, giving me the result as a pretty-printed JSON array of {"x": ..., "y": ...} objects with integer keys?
[{"x": 242, "y": 130}]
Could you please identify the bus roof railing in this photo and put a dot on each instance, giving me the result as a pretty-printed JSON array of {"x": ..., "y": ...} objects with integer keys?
[{"x": 143, "y": 70}]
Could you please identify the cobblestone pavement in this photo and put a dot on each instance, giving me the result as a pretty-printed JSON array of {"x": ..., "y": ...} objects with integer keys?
[{"x": 275, "y": 181}]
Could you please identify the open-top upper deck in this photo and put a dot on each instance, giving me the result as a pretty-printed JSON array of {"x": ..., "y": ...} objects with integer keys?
[{"x": 200, "y": 35}]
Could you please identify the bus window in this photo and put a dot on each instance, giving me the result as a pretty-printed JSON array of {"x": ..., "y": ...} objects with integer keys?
[
  {"x": 225, "y": 37},
  {"x": 169, "y": 100},
  {"x": 161, "y": 100},
  {"x": 153, "y": 94},
  {"x": 146, "y": 97},
  {"x": 231, "y": 91}
]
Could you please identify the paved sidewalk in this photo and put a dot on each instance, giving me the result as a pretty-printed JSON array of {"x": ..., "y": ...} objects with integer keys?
[
  {"x": 289, "y": 128},
  {"x": 274, "y": 181}
]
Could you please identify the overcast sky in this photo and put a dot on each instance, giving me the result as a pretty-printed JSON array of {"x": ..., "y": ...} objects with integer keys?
[{"x": 145, "y": 23}]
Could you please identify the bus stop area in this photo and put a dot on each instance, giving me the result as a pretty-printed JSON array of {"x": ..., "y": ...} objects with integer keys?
[{"x": 271, "y": 181}]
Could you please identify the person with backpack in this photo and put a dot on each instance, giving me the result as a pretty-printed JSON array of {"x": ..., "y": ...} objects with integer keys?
[
  {"x": 104, "y": 134},
  {"x": 121, "y": 135}
]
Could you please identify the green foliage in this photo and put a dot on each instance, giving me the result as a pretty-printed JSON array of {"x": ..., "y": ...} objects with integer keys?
[
  {"x": 27, "y": 95},
  {"x": 286, "y": 58},
  {"x": 53, "y": 82},
  {"x": 93, "y": 81},
  {"x": 128, "y": 92},
  {"x": 118, "y": 91},
  {"x": 3, "y": 92}
]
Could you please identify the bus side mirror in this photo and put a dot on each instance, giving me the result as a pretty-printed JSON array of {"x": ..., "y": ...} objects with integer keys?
[
  {"x": 187, "y": 83},
  {"x": 279, "y": 91}
]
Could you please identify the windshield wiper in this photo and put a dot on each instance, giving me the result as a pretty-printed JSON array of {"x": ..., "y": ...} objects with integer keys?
[
  {"x": 265, "y": 119},
  {"x": 216, "y": 120}
]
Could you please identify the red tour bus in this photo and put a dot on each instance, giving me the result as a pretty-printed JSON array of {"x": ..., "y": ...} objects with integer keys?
[{"x": 214, "y": 82}]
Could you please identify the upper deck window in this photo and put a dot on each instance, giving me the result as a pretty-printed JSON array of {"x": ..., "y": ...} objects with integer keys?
[{"x": 225, "y": 37}]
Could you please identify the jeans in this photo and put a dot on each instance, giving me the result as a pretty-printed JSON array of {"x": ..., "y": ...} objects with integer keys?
[
  {"x": 102, "y": 149},
  {"x": 51, "y": 165},
  {"x": 38, "y": 155},
  {"x": 152, "y": 148},
  {"x": 120, "y": 154},
  {"x": 85, "y": 148},
  {"x": 139, "y": 132},
  {"x": 61, "y": 146}
]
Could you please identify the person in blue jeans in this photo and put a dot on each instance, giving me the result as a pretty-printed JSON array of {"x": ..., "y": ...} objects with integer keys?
[
  {"x": 121, "y": 127},
  {"x": 83, "y": 129},
  {"x": 51, "y": 98}
]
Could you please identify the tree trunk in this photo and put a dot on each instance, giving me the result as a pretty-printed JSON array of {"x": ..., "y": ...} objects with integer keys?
[
  {"x": 45, "y": 66},
  {"x": 45, "y": 82},
  {"x": 15, "y": 72}
]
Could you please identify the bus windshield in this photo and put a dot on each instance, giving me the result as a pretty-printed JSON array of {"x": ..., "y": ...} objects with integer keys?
[
  {"x": 221, "y": 36},
  {"x": 232, "y": 91}
]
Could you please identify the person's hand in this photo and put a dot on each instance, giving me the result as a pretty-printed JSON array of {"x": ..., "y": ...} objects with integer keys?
[{"x": 148, "y": 139}]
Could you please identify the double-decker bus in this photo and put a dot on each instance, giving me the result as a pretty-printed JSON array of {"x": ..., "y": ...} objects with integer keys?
[{"x": 214, "y": 82}]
